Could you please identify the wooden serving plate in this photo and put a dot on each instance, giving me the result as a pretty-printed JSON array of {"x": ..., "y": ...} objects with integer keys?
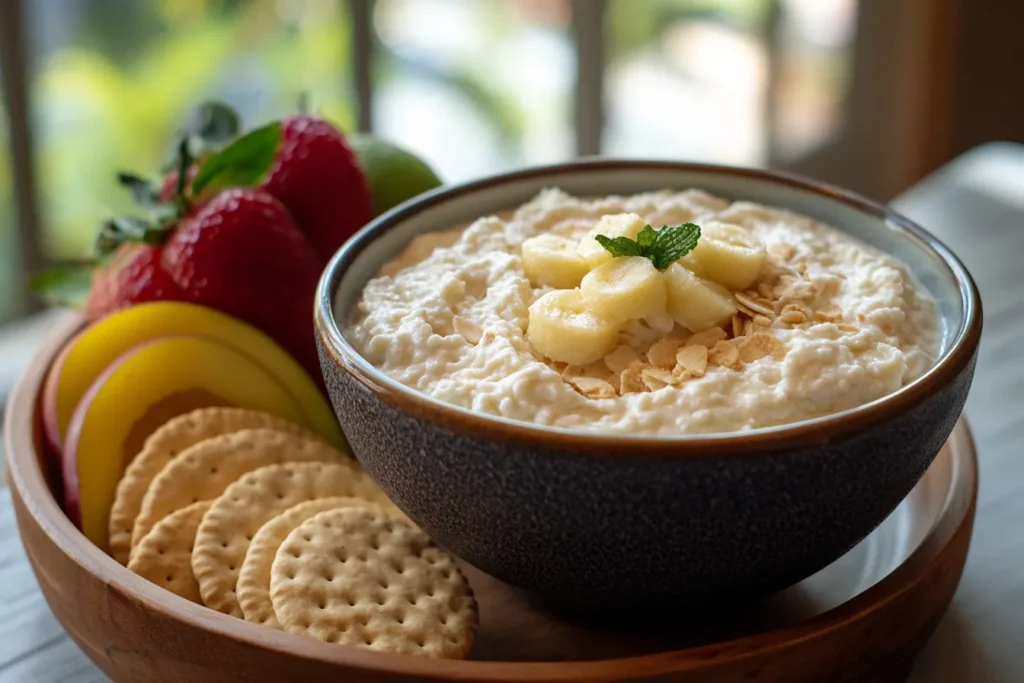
[{"x": 863, "y": 618}]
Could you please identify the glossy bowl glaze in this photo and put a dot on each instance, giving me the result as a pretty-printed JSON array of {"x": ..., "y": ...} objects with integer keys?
[{"x": 620, "y": 521}]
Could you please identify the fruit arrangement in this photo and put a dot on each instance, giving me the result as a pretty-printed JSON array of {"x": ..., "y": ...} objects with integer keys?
[
  {"x": 624, "y": 270},
  {"x": 244, "y": 223},
  {"x": 205, "y": 298},
  {"x": 188, "y": 414}
]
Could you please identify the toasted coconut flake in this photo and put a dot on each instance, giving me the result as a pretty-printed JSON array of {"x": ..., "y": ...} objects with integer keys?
[
  {"x": 830, "y": 314},
  {"x": 658, "y": 378},
  {"x": 745, "y": 311},
  {"x": 759, "y": 345},
  {"x": 708, "y": 337},
  {"x": 847, "y": 327},
  {"x": 724, "y": 354},
  {"x": 798, "y": 291},
  {"x": 593, "y": 388},
  {"x": 762, "y": 321},
  {"x": 692, "y": 359},
  {"x": 783, "y": 252},
  {"x": 621, "y": 358},
  {"x": 794, "y": 314},
  {"x": 467, "y": 329},
  {"x": 571, "y": 371},
  {"x": 737, "y": 326},
  {"x": 662, "y": 354},
  {"x": 752, "y": 305},
  {"x": 748, "y": 328},
  {"x": 630, "y": 380}
]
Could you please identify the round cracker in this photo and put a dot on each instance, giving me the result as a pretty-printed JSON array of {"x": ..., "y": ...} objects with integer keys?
[
  {"x": 361, "y": 577},
  {"x": 203, "y": 471},
  {"x": 163, "y": 445},
  {"x": 253, "y": 588},
  {"x": 165, "y": 555},
  {"x": 259, "y": 496}
]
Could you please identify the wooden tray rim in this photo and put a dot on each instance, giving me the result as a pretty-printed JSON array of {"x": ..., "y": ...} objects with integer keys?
[{"x": 23, "y": 441}]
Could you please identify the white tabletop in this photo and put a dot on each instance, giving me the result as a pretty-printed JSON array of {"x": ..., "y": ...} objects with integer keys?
[{"x": 975, "y": 205}]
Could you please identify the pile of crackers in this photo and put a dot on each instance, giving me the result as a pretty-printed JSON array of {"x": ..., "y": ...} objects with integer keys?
[{"x": 255, "y": 517}]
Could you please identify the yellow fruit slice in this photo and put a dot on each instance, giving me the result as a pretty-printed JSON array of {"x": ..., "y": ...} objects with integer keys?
[
  {"x": 694, "y": 303},
  {"x": 726, "y": 254},
  {"x": 562, "y": 329},
  {"x": 140, "y": 391},
  {"x": 616, "y": 225},
  {"x": 626, "y": 288},
  {"x": 98, "y": 345},
  {"x": 552, "y": 261}
]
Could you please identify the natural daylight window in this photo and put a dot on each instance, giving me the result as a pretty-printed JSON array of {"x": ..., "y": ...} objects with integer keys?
[{"x": 472, "y": 86}]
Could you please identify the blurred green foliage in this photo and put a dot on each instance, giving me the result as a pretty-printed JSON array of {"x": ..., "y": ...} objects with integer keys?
[
  {"x": 103, "y": 106},
  {"x": 112, "y": 93}
]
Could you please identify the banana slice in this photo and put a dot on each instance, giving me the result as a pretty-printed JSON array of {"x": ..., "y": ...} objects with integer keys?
[
  {"x": 726, "y": 254},
  {"x": 564, "y": 330},
  {"x": 552, "y": 261},
  {"x": 617, "y": 225},
  {"x": 624, "y": 289},
  {"x": 696, "y": 304}
]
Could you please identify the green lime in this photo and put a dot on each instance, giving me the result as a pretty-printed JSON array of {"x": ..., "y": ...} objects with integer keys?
[{"x": 392, "y": 173}]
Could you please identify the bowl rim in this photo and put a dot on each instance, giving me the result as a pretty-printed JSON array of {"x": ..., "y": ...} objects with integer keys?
[
  {"x": 797, "y": 434},
  {"x": 24, "y": 445}
]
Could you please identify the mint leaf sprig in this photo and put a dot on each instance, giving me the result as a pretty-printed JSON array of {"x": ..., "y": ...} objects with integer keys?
[{"x": 663, "y": 247}]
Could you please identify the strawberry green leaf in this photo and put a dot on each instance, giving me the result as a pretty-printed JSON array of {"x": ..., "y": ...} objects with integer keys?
[
  {"x": 64, "y": 285},
  {"x": 116, "y": 231},
  {"x": 245, "y": 162}
]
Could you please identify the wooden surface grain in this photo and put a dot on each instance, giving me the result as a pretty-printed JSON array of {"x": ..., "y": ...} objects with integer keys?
[{"x": 976, "y": 205}]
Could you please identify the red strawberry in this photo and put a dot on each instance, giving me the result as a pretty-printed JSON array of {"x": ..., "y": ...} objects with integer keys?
[
  {"x": 306, "y": 164},
  {"x": 134, "y": 275},
  {"x": 316, "y": 175},
  {"x": 241, "y": 253}
]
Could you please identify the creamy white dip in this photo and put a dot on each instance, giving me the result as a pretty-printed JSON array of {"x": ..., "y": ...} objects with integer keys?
[{"x": 472, "y": 279}]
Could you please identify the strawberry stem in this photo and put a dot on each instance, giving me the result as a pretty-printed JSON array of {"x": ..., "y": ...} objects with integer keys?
[{"x": 184, "y": 162}]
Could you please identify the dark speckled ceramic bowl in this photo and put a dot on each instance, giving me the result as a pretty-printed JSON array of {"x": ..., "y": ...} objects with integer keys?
[{"x": 622, "y": 521}]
